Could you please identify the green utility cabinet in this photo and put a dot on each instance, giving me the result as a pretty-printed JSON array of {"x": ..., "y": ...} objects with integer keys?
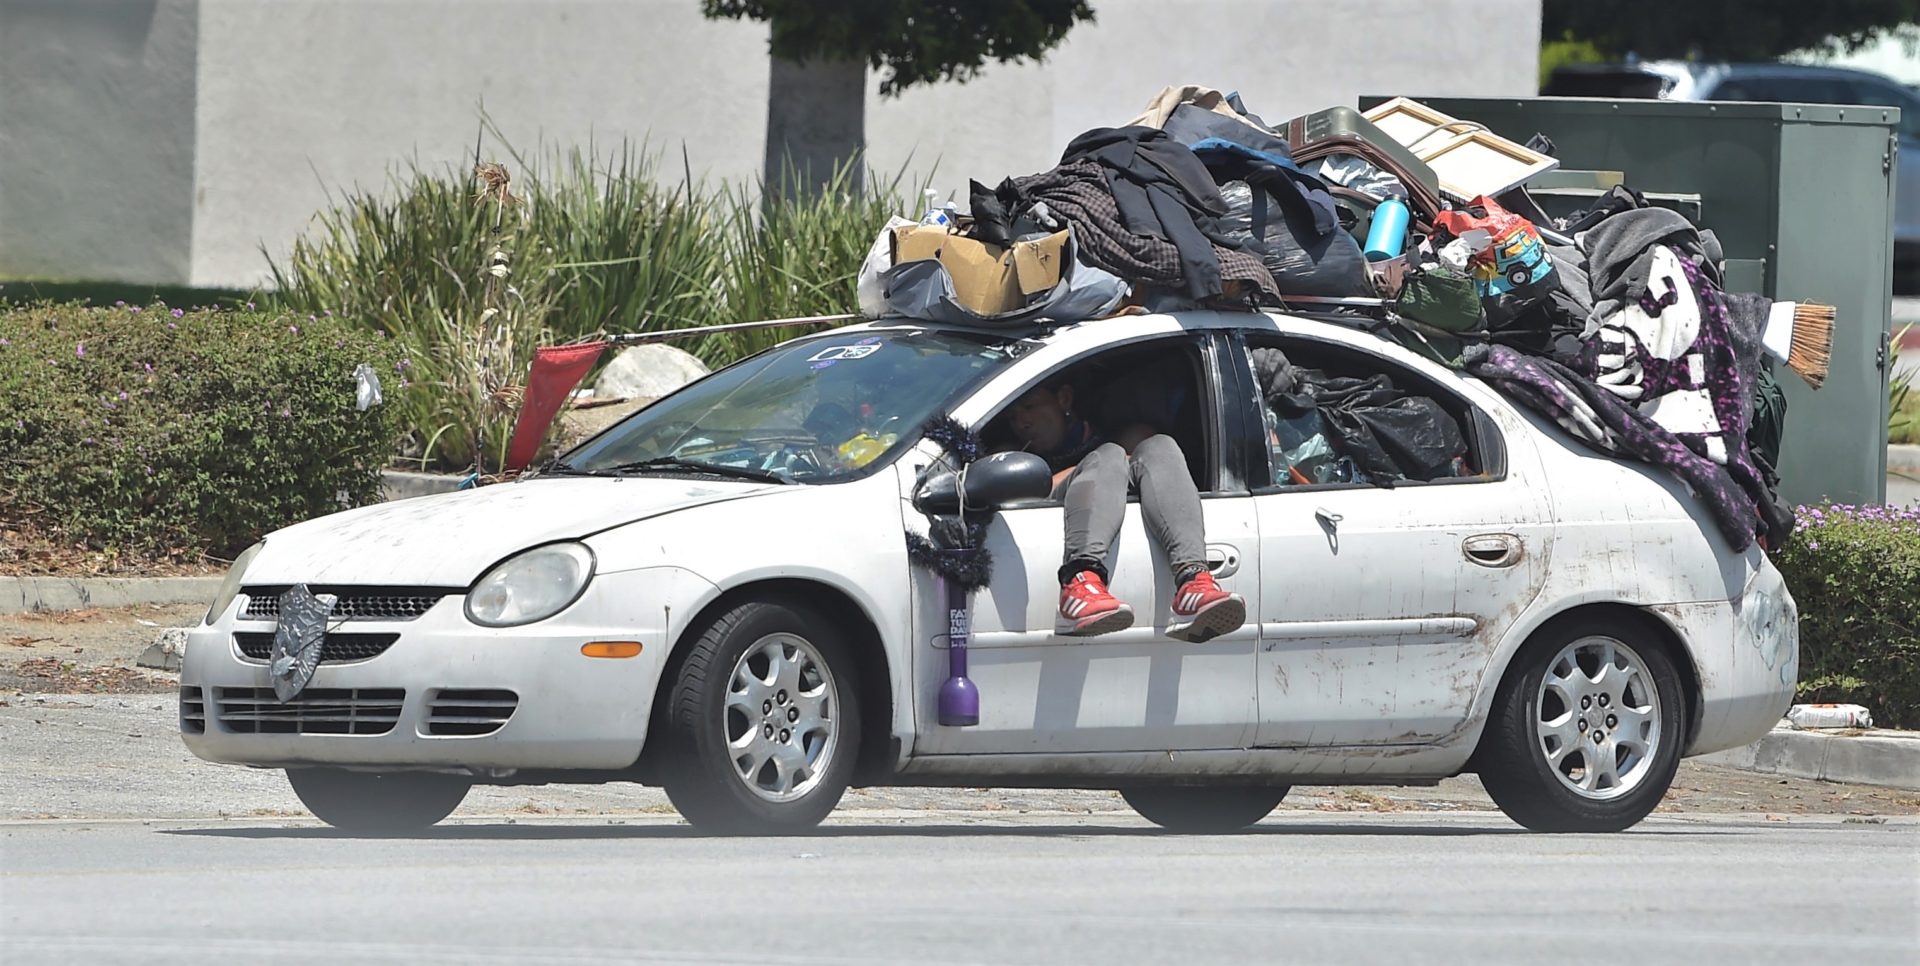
[{"x": 1801, "y": 198}]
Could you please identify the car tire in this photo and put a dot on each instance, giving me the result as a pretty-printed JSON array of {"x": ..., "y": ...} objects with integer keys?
[
  {"x": 1203, "y": 808},
  {"x": 763, "y": 722},
  {"x": 1541, "y": 760},
  {"x": 380, "y": 803}
]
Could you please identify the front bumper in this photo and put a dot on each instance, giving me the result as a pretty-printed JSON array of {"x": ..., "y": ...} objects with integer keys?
[{"x": 414, "y": 704}]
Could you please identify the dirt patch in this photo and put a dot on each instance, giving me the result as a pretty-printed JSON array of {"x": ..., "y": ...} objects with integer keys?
[
  {"x": 50, "y": 675},
  {"x": 88, "y": 651},
  {"x": 28, "y": 551}
]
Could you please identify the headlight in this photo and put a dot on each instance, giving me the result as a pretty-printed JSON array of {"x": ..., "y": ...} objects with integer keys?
[
  {"x": 531, "y": 586},
  {"x": 230, "y": 588}
]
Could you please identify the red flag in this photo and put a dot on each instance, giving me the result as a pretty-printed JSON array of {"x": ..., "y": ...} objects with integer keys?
[{"x": 556, "y": 370}]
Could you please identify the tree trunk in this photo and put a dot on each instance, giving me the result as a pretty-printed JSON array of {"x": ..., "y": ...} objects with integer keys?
[{"x": 816, "y": 124}]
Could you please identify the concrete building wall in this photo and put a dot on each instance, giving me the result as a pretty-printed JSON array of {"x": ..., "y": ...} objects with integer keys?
[
  {"x": 298, "y": 95},
  {"x": 1285, "y": 59},
  {"x": 96, "y": 138},
  {"x": 246, "y": 111}
]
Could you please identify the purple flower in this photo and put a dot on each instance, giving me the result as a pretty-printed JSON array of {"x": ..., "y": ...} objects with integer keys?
[
  {"x": 133, "y": 308},
  {"x": 293, "y": 329},
  {"x": 123, "y": 395},
  {"x": 80, "y": 351},
  {"x": 119, "y": 301},
  {"x": 149, "y": 366},
  {"x": 3, "y": 340},
  {"x": 249, "y": 306},
  {"x": 177, "y": 313},
  {"x": 170, "y": 325}
]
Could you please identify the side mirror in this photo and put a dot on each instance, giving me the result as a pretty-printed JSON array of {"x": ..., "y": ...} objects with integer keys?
[{"x": 991, "y": 481}]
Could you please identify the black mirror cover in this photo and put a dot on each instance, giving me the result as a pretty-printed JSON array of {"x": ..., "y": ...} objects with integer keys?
[
  {"x": 1004, "y": 477},
  {"x": 990, "y": 482}
]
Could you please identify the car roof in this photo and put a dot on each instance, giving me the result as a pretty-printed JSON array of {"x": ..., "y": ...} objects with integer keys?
[{"x": 1079, "y": 337}]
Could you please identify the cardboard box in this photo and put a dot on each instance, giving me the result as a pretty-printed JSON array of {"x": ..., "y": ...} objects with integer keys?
[{"x": 987, "y": 279}]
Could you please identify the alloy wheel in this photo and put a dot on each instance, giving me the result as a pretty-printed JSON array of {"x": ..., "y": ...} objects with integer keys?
[
  {"x": 780, "y": 717},
  {"x": 1598, "y": 719}
]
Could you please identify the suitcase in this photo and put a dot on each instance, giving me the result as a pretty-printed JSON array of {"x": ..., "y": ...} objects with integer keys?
[{"x": 1343, "y": 130}]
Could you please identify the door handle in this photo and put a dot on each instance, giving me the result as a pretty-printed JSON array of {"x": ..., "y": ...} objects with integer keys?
[
  {"x": 1492, "y": 549},
  {"x": 1223, "y": 560}
]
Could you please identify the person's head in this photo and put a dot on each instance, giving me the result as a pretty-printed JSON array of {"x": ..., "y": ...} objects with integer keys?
[{"x": 1041, "y": 417}]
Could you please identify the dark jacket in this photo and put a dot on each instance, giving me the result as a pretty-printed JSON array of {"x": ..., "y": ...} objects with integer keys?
[{"x": 1163, "y": 191}]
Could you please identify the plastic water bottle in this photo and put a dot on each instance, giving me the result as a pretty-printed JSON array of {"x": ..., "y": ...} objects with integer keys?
[
  {"x": 1387, "y": 236},
  {"x": 936, "y": 214}
]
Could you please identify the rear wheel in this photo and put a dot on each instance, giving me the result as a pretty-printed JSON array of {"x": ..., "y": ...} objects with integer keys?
[
  {"x": 1203, "y": 808},
  {"x": 385, "y": 802},
  {"x": 1587, "y": 737},
  {"x": 764, "y": 723}
]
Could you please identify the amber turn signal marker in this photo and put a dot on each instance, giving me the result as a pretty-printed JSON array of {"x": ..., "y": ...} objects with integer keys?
[{"x": 611, "y": 649}]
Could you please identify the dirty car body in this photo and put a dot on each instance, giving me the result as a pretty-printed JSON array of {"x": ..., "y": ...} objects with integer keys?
[{"x": 1388, "y": 628}]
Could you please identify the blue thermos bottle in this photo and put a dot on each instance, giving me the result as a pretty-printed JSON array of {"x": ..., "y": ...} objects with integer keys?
[{"x": 1387, "y": 236}]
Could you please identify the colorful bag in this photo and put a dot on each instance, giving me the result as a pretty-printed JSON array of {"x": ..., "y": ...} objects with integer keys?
[{"x": 1514, "y": 272}]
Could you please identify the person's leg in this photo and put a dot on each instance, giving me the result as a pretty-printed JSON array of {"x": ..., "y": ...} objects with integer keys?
[
  {"x": 1096, "y": 501},
  {"x": 1170, "y": 504}
]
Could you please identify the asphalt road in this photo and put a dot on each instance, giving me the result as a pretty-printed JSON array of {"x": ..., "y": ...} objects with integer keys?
[{"x": 959, "y": 888}]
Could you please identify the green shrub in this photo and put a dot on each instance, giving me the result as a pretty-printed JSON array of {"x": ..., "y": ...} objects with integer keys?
[
  {"x": 153, "y": 429},
  {"x": 1855, "y": 573}
]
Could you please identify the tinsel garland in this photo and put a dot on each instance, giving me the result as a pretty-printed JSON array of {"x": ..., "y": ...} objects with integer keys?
[{"x": 954, "y": 550}]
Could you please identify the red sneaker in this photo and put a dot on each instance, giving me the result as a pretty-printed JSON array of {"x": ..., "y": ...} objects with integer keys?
[
  {"x": 1087, "y": 609},
  {"x": 1202, "y": 611}
]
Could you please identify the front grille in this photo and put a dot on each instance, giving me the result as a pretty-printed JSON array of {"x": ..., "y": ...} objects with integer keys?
[
  {"x": 334, "y": 649},
  {"x": 193, "y": 711},
  {"x": 459, "y": 712},
  {"x": 356, "y": 603},
  {"x": 316, "y": 711}
]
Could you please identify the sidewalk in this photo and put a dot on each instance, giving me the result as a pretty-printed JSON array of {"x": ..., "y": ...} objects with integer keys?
[{"x": 1874, "y": 756}]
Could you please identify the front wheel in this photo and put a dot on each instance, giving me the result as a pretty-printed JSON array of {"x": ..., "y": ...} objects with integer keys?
[
  {"x": 763, "y": 722},
  {"x": 1203, "y": 808},
  {"x": 381, "y": 803},
  {"x": 1587, "y": 736}
]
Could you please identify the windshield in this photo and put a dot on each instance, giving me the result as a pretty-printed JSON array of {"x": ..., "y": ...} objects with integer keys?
[{"x": 815, "y": 411}]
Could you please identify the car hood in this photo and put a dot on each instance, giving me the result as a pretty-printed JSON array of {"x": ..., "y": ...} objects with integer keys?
[{"x": 449, "y": 539}]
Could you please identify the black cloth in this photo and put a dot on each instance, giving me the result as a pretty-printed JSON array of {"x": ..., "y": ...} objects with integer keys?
[
  {"x": 1162, "y": 191},
  {"x": 1076, "y": 194}
]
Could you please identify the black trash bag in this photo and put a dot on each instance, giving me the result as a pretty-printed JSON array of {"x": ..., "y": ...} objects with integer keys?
[
  {"x": 1302, "y": 261},
  {"x": 1388, "y": 434}
]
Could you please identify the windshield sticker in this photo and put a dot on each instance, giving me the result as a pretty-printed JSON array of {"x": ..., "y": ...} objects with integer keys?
[{"x": 837, "y": 353}]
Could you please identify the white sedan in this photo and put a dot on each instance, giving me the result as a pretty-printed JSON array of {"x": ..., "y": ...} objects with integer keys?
[{"x": 715, "y": 596}]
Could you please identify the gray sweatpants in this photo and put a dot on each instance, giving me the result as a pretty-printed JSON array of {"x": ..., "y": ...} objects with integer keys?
[{"x": 1096, "y": 500}]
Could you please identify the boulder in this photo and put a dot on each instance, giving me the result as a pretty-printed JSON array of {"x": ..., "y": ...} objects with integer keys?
[
  {"x": 577, "y": 425},
  {"x": 167, "y": 650},
  {"x": 647, "y": 371}
]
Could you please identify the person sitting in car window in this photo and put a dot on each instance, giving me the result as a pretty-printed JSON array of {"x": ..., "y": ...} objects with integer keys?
[{"x": 1092, "y": 475}]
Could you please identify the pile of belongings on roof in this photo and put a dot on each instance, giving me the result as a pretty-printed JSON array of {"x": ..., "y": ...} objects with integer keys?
[{"x": 1613, "y": 322}]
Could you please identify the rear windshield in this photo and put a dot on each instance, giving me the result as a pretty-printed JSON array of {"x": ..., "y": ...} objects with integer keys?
[{"x": 1624, "y": 83}]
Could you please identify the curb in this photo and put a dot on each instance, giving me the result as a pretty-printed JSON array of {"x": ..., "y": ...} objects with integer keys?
[
  {"x": 1887, "y": 758},
  {"x": 24, "y": 594},
  {"x": 1903, "y": 458},
  {"x": 407, "y": 484}
]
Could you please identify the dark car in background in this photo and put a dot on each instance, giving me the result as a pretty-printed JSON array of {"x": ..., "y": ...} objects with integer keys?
[{"x": 1789, "y": 83}]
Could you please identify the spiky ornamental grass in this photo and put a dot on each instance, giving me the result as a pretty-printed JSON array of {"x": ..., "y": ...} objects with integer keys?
[{"x": 596, "y": 242}]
